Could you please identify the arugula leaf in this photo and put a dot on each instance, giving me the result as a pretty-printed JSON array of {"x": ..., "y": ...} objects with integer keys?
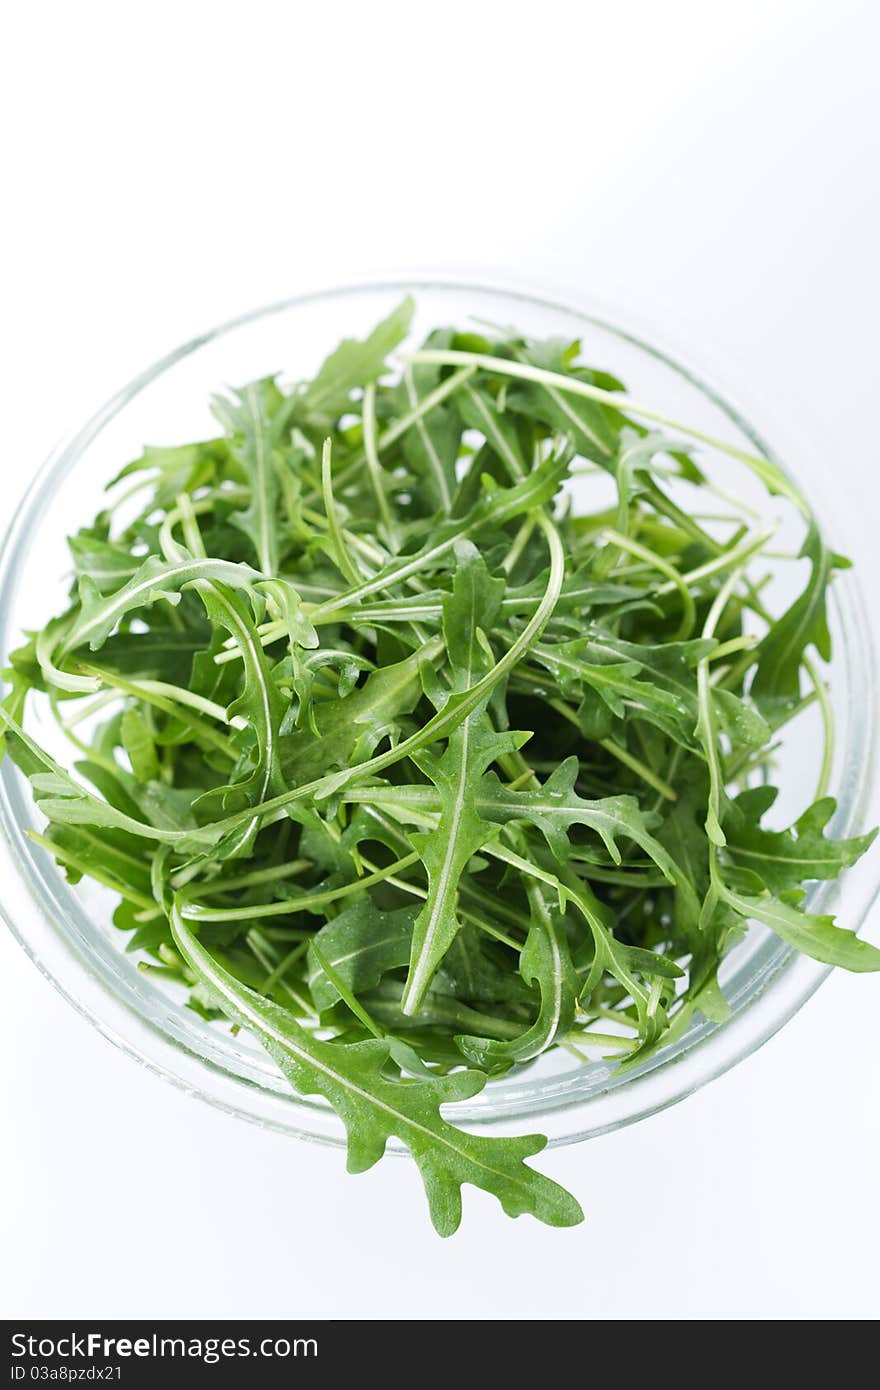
[
  {"x": 471, "y": 748},
  {"x": 259, "y": 702},
  {"x": 556, "y": 806},
  {"x": 346, "y": 731},
  {"x": 374, "y": 1108},
  {"x": 156, "y": 578},
  {"x": 815, "y": 936},
  {"x": 140, "y": 746},
  {"x": 780, "y": 653},
  {"x": 619, "y": 691},
  {"x": 180, "y": 468},
  {"x": 106, "y": 563},
  {"x": 480, "y": 411},
  {"x": 60, "y": 797},
  {"x": 785, "y": 859},
  {"x": 476, "y": 973},
  {"x": 354, "y": 364},
  {"x": 433, "y": 444},
  {"x": 254, "y": 420},
  {"x": 590, "y": 425},
  {"x": 546, "y": 962},
  {"x": 361, "y": 945}
]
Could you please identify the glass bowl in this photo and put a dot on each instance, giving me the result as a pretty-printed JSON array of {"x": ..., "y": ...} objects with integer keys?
[{"x": 67, "y": 930}]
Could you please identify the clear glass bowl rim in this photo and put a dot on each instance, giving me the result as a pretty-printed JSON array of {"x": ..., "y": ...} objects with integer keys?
[{"x": 707, "y": 1051}]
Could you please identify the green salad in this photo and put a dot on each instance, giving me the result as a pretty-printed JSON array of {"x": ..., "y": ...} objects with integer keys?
[{"x": 402, "y": 761}]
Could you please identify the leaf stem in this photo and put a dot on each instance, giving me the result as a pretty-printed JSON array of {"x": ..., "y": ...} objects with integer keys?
[
  {"x": 341, "y": 555},
  {"x": 303, "y": 902},
  {"x": 642, "y": 552},
  {"x": 373, "y": 464},
  {"x": 769, "y": 473}
]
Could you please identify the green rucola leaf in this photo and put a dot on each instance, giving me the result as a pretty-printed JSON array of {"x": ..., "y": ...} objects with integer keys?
[
  {"x": 162, "y": 653},
  {"x": 346, "y": 731},
  {"x": 557, "y": 379},
  {"x": 644, "y": 975},
  {"x": 375, "y": 1108},
  {"x": 108, "y": 856},
  {"x": 813, "y": 935},
  {"x": 108, "y": 564},
  {"x": 480, "y": 411},
  {"x": 255, "y": 419},
  {"x": 590, "y": 425},
  {"x": 156, "y": 578},
  {"x": 259, "y": 702},
  {"x": 555, "y": 807},
  {"x": 777, "y": 683},
  {"x": 475, "y": 973},
  {"x": 140, "y": 746},
  {"x": 670, "y": 667},
  {"x": 431, "y": 449},
  {"x": 472, "y": 607},
  {"x": 179, "y": 469},
  {"x": 619, "y": 688},
  {"x": 354, "y": 364},
  {"x": 744, "y": 725},
  {"x": 545, "y": 961},
  {"x": 445, "y": 855},
  {"x": 288, "y": 606},
  {"x": 785, "y": 859},
  {"x": 60, "y": 796},
  {"x": 433, "y": 444},
  {"x": 496, "y": 507},
  {"x": 471, "y": 748},
  {"x": 632, "y": 469},
  {"x": 581, "y": 593},
  {"x": 360, "y": 945},
  {"x": 23, "y": 675},
  {"x": 683, "y": 832}
]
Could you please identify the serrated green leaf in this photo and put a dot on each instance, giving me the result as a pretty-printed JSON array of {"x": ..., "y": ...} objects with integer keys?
[
  {"x": 361, "y": 944},
  {"x": 555, "y": 807},
  {"x": 785, "y": 859},
  {"x": 780, "y": 653},
  {"x": 255, "y": 419},
  {"x": 471, "y": 748},
  {"x": 815, "y": 936},
  {"x": 156, "y": 578},
  {"x": 375, "y": 1109},
  {"x": 355, "y": 364}
]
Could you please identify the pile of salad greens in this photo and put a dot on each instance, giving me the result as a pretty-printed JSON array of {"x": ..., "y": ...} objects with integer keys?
[{"x": 397, "y": 759}]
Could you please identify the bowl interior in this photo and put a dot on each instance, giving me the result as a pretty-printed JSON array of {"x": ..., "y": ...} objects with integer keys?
[{"x": 68, "y": 929}]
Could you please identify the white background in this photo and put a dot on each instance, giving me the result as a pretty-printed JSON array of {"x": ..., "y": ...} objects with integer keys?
[{"x": 710, "y": 168}]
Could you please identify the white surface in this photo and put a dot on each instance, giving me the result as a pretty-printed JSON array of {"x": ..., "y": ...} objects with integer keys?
[{"x": 711, "y": 168}]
